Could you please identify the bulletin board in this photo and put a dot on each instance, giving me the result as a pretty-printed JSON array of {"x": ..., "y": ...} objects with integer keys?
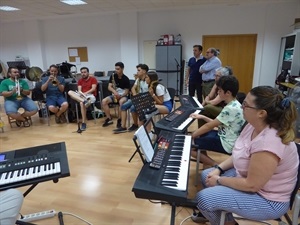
[{"x": 78, "y": 54}]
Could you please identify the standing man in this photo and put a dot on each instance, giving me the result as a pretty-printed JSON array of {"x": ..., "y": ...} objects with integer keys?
[
  {"x": 208, "y": 70},
  {"x": 194, "y": 76},
  {"x": 119, "y": 85},
  {"x": 54, "y": 86},
  {"x": 15, "y": 92},
  {"x": 140, "y": 86},
  {"x": 86, "y": 94}
]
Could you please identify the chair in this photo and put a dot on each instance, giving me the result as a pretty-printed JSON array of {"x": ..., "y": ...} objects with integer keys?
[
  {"x": 294, "y": 203},
  {"x": 172, "y": 93},
  {"x": 99, "y": 73},
  {"x": 11, "y": 120},
  {"x": 38, "y": 96}
]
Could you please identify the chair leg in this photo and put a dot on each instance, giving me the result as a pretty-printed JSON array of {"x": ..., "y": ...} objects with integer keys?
[
  {"x": 222, "y": 219},
  {"x": 296, "y": 210},
  {"x": 197, "y": 167}
]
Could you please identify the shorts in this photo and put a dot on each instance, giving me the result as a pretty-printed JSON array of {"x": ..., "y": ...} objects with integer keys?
[
  {"x": 126, "y": 105},
  {"x": 55, "y": 101},
  {"x": 88, "y": 96},
  {"x": 112, "y": 98},
  {"x": 169, "y": 105},
  {"x": 26, "y": 103}
]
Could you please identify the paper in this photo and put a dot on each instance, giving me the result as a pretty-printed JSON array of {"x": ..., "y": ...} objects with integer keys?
[
  {"x": 145, "y": 143},
  {"x": 73, "y": 52},
  {"x": 77, "y": 60}
]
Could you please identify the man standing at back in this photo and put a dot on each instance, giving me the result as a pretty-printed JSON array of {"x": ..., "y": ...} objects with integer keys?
[
  {"x": 86, "y": 94},
  {"x": 208, "y": 70},
  {"x": 194, "y": 78},
  {"x": 119, "y": 85}
]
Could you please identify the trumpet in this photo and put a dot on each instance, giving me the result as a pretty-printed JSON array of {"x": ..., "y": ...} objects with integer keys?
[
  {"x": 54, "y": 81},
  {"x": 18, "y": 89}
]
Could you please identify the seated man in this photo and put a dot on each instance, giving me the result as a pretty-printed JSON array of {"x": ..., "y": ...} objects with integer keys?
[
  {"x": 86, "y": 95},
  {"x": 119, "y": 85},
  {"x": 140, "y": 86},
  {"x": 15, "y": 92},
  {"x": 11, "y": 203},
  {"x": 54, "y": 86}
]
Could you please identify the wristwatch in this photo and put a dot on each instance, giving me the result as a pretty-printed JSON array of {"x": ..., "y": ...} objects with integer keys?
[{"x": 219, "y": 168}]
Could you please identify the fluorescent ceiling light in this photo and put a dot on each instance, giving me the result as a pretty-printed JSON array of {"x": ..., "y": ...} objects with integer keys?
[
  {"x": 73, "y": 2},
  {"x": 8, "y": 8}
]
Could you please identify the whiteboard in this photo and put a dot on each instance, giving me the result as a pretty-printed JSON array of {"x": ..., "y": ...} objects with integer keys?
[{"x": 149, "y": 54}]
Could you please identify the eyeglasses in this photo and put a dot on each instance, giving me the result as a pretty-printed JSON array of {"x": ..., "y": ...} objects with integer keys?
[{"x": 244, "y": 105}]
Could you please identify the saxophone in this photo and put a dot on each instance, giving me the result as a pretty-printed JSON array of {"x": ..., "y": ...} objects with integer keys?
[{"x": 114, "y": 87}]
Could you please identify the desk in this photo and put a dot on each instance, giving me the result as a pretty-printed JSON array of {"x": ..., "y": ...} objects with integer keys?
[
  {"x": 285, "y": 88},
  {"x": 288, "y": 85}
]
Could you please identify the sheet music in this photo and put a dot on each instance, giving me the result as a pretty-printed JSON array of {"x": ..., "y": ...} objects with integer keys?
[{"x": 145, "y": 143}]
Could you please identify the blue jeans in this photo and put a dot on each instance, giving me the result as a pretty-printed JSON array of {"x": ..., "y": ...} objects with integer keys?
[{"x": 11, "y": 107}]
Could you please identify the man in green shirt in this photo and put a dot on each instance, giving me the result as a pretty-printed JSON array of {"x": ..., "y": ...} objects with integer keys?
[{"x": 15, "y": 92}]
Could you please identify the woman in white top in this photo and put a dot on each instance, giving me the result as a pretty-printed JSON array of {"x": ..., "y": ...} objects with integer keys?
[{"x": 160, "y": 94}]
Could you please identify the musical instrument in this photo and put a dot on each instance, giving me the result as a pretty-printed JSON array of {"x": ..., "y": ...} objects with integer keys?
[
  {"x": 114, "y": 87},
  {"x": 168, "y": 181},
  {"x": 186, "y": 77},
  {"x": 18, "y": 89},
  {"x": 190, "y": 101},
  {"x": 54, "y": 81},
  {"x": 34, "y": 73},
  {"x": 33, "y": 165},
  {"x": 177, "y": 120}
]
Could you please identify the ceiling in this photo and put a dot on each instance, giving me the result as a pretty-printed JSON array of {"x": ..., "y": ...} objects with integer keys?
[{"x": 45, "y": 9}]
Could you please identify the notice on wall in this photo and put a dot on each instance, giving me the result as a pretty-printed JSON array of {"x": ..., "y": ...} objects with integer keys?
[{"x": 78, "y": 54}]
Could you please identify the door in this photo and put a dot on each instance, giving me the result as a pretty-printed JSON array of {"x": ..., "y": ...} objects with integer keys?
[{"x": 237, "y": 51}]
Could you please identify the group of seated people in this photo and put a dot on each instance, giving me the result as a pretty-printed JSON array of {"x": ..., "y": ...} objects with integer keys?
[{"x": 260, "y": 173}]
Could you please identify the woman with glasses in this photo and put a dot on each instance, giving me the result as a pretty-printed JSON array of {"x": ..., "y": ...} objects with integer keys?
[{"x": 256, "y": 182}]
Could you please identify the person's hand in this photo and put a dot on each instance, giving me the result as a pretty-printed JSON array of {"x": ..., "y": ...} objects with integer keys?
[
  {"x": 151, "y": 91},
  {"x": 196, "y": 116},
  {"x": 211, "y": 180},
  {"x": 51, "y": 78}
]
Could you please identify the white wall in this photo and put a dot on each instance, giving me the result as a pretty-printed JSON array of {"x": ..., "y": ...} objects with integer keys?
[{"x": 120, "y": 37}]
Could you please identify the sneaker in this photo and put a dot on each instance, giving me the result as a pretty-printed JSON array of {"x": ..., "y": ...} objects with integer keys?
[
  {"x": 120, "y": 130},
  {"x": 87, "y": 103},
  {"x": 107, "y": 122},
  {"x": 119, "y": 125},
  {"x": 83, "y": 127},
  {"x": 198, "y": 218},
  {"x": 57, "y": 119},
  {"x": 133, "y": 128}
]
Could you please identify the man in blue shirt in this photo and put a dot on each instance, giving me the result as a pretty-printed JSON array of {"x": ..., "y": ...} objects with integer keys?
[
  {"x": 194, "y": 76},
  {"x": 208, "y": 70}
]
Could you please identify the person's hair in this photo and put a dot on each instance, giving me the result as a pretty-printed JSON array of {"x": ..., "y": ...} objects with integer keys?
[
  {"x": 54, "y": 66},
  {"x": 85, "y": 68},
  {"x": 281, "y": 112},
  {"x": 225, "y": 71},
  {"x": 120, "y": 64},
  {"x": 153, "y": 80},
  {"x": 214, "y": 51},
  {"x": 10, "y": 68},
  {"x": 143, "y": 67},
  {"x": 229, "y": 83},
  {"x": 199, "y": 47}
]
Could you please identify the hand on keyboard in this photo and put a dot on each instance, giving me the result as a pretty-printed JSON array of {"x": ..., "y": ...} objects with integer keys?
[{"x": 196, "y": 116}]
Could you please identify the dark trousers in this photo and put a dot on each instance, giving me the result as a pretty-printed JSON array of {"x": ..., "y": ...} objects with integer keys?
[{"x": 196, "y": 86}]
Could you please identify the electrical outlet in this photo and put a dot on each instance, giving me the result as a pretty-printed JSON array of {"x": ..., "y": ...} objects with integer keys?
[{"x": 38, "y": 216}]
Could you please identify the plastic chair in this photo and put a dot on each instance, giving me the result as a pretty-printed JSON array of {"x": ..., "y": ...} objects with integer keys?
[{"x": 294, "y": 204}]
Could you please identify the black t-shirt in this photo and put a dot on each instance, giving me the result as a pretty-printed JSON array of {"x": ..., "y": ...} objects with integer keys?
[{"x": 122, "y": 83}]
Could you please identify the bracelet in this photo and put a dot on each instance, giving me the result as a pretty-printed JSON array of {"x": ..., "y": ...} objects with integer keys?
[{"x": 219, "y": 168}]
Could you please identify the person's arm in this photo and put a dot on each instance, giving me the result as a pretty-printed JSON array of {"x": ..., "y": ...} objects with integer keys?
[
  {"x": 205, "y": 128},
  {"x": 159, "y": 100},
  {"x": 126, "y": 92},
  {"x": 217, "y": 100},
  {"x": 133, "y": 89},
  {"x": 61, "y": 84},
  {"x": 111, "y": 89},
  {"x": 91, "y": 91},
  {"x": 201, "y": 117},
  {"x": 45, "y": 83},
  {"x": 261, "y": 168},
  {"x": 4, "y": 90},
  {"x": 188, "y": 75},
  {"x": 25, "y": 88}
]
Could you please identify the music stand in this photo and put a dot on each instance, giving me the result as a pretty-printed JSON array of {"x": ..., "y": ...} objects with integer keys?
[{"x": 144, "y": 105}]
